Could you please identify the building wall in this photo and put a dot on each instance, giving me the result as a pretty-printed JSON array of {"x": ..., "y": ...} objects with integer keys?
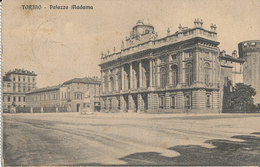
[
  {"x": 72, "y": 96},
  {"x": 250, "y": 51},
  {"x": 15, "y": 84},
  {"x": 48, "y": 98},
  {"x": 146, "y": 81}
]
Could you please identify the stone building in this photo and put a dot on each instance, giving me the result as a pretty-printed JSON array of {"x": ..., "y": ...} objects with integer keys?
[
  {"x": 74, "y": 93},
  {"x": 231, "y": 72},
  {"x": 250, "y": 52},
  {"x": 15, "y": 85},
  {"x": 172, "y": 74},
  {"x": 69, "y": 96},
  {"x": 43, "y": 97}
]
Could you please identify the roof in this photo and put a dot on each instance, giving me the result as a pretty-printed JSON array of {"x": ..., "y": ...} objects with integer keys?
[
  {"x": 85, "y": 80},
  {"x": 228, "y": 57},
  {"x": 45, "y": 89},
  {"x": 21, "y": 72},
  {"x": 6, "y": 78}
]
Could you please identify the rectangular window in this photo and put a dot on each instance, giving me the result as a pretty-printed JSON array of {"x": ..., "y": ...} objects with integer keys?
[
  {"x": 19, "y": 87},
  {"x": 9, "y": 99},
  {"x": 118, "y": 105},
  {"x": 173, "y": 101},
  {"x": 188, "y": 101},
  {"x": 105, "y": 104},
  {"x": 110, "y": 104},
  {"x": 23, "y": 79},
  {"x": 29, "y": 80},
  {"x": 19, "y": 98},
  {"x": 162, "y": 102},
  {"x": 13, "y": 78},
  {"x": 14, "y": 99},
  {"x": 14, "y": 87},
  {"x": 19, "y": 78},
  {"x": 208, "y": 100}
]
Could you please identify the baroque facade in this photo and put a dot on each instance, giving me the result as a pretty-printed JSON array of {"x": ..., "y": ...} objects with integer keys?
[
  {"x": 15, "y": 85},
  {"x": 172, "y": 74}
]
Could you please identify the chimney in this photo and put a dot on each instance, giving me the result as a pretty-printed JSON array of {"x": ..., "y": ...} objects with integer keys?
[
  {"x": 234, "y": 53},
  {"x": 195, "y": 23},
  {"x": 198, "y": 22},
  {"x": 224, "y": 52},
  {"x": 212, "y": 27}
]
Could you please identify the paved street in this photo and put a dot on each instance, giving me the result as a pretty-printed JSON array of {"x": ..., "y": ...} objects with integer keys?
[{"x": 131, "y": 139}]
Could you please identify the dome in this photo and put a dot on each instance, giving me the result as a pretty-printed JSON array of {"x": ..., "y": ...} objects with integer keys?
[
  {"x": 143, "y": 22},
  {"x": 140, "y": 22}
]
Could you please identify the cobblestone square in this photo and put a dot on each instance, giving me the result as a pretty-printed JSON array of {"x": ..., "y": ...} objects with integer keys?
[{"x": 131, "y": 139}]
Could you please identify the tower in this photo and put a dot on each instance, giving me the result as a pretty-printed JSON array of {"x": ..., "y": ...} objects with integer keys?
[{"x": 250, "y": 52}]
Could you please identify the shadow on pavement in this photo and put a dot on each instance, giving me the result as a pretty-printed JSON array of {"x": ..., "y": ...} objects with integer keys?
[{"x": 225, "y": 152}]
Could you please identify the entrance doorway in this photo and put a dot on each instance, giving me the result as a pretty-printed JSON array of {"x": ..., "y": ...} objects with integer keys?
[
  {"x": 78, "y": 107},
  {"x": 145, "y": 99},
  {"x": 126, "y": 102},
  {"x": 135, "y": 99}
]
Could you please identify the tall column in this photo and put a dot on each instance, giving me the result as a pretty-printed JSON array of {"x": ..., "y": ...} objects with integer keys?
[
  {"x": 140, "y": 75},
  {"x": 109, "y": 84},
  {"x": 158, "y": 72},
  {"x": 123, "y": 77},
  {"x": 102, "y": 82},
  {"x": 116, "y": 82},
  {"x": 183, "y": 68},
  {"x": 197, "y": 64},
  {"x": 170, "y": 76},
  {"x": 131, "y": 75},
  {"x": 151, "y": 71}
]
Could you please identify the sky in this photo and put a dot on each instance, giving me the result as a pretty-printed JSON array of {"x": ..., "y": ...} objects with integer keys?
[{"x": 63, "y": 44}]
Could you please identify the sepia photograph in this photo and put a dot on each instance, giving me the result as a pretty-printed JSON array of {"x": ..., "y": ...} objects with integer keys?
[{"x": 130, "y": 83}]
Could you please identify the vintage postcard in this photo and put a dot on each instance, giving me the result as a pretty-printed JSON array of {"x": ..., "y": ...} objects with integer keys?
[{"x": 130, "y": 83}]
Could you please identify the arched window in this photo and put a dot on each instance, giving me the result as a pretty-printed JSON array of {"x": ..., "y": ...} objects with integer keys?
[
  {"x": 163, "y": 77},
  {"x": 188, "y": 74},
  {"x": 105, "y": 84},
  {"x": 112, "y": 84},
  {"x": 119, "y": 81},
  {"x": 174, "y": 75},
  {"x": 207, "y": 73}
]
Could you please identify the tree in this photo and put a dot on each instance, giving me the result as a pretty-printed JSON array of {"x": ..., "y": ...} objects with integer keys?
[{"x": 241, "y": 98}]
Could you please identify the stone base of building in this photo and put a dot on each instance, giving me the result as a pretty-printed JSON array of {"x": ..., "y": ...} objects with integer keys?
[{"x": 184, "y": 101}]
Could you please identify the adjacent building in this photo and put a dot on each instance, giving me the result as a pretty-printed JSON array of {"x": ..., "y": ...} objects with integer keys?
[
  {"x": 73, "y": 95},
  {"x": 250, "y": 52},
  {"x": 231, "y": 72},
  {"x": 16, "y": 84}
]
